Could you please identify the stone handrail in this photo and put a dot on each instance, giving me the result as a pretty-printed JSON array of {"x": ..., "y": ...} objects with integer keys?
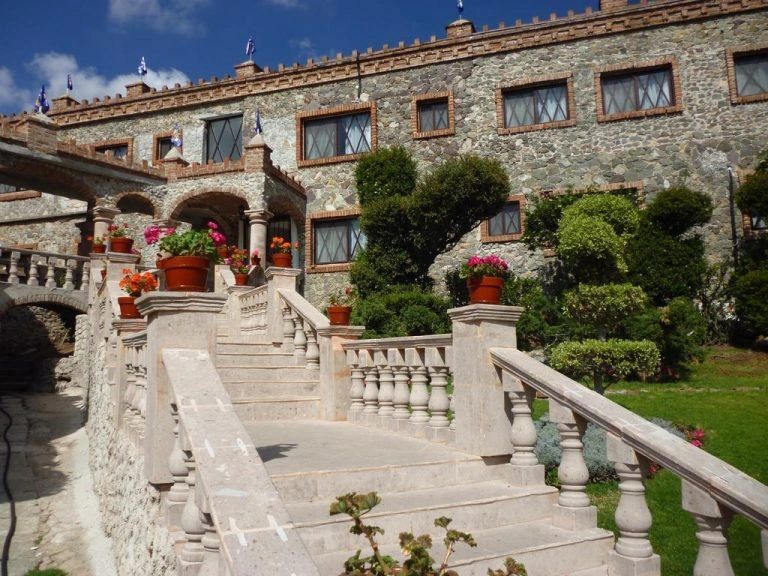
[
  {"x": 400, "y": 384},
  {"x": 712, "y": 489},
  {"x": 232, "y": 518},
  {"x": 21, "y": 264},
  {"x": 301, "y": 322}
]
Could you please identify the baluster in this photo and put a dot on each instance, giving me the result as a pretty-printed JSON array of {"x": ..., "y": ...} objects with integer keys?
[
  {"x": 419, "y": 395},
  {"x": 210, "y": 542},
  {"x": 69, "y": 275},
  {"x": 192, "y": 552},
  {"x": 130, "y": 389},
  {"x": 371, "y": 392},
  {"x": 177, "y": 495},
  {"x": 288, "y": 328},
  {"x": 357, "y": 388},
  {"x": 86, "y": 277},
  {"x": 438, "y": 400},
  {"x": 299, "y": 338},
  {"x": 33, "y": 264},
  {"x": 712, "y": 521},
  {"x": 386, "y": 385},
  {"x": 13, "y": 268},
  {"x": 50, "y": 278},
  {"x": 402, "y": 394},
  {"x": 633, "y": 552},
  {"x": 313, "y": 351},
  {"x": 523, "y": 433}
]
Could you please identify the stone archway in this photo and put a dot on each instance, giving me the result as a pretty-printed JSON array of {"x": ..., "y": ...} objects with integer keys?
[{"x": 224, "y": 207}]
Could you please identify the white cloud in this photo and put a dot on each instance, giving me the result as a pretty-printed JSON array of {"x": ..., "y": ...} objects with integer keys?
[
  {"x": 162, "y": 15},
  {"x": 305, "y": 48},
  {"x": 52, "y": 69},
  {"x": 11, "y": 96}
]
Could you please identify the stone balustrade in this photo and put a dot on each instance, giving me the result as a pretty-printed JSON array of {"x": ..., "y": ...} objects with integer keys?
[
  {"x": 132, "y": 403},
  {"x": 44, "y": 269},
  {"x": 713, "y": 491},
  {"x": 251, "y": 309},
  {"x": 401, "y": 384},
  {"x": 300, "y": 324}
]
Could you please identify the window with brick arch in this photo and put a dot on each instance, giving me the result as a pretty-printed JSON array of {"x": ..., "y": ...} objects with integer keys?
[
  {"x": 223, "y": 139},
  {"x": 119, "y": 151},
  {"x": 433, "y": 115},
  {"x": 164, "y": 146},
  {"x": 334, "y": 136},
  {"x": 336, "y": 241},
  {"x": 638, "y": 91},
  {"x": 537, "y": 105},
  {"x": 507, "y": 221},
  {"x": 751, "y": 73}
]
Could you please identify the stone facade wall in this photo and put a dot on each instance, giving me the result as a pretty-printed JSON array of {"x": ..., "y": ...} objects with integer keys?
[
  {"x": 47, "y": 223},
  {"x": 131, "y": 509},
  {"x": 693, "y": 146}
]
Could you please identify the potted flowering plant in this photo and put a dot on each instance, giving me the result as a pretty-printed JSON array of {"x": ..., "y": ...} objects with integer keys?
[
  {"x": 191, "y": 252},
  {"x": 118, "y": 239},
  {"x": 485, "y": 277},
  {"x": 238, "y": 263},
  {"x": 134, "y": 284},
  {"x": 281, "y": 252},
  {"x": 255, "y": 258},
  {"x": 97, "y": 244},
  {"x": 340, "y": 306}
]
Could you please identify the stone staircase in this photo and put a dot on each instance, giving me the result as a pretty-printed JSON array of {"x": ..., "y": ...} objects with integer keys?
[{"x": 311, "y": 462}]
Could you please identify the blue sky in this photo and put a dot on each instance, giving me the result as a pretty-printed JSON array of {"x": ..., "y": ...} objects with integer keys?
[{"x": 101, "y": 42}]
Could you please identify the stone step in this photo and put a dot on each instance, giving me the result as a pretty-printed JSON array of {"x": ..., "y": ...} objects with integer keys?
[
  {"x": 267, "y": 373},
  {"x": 266, "y": 389},
  {"x": 277, "y": 408},
  {"x": 242, "y": 358},
  {"x": 223, "y": 346},
  {"x": 477, "y": 506},
  {"x": 543, "y": 549}
]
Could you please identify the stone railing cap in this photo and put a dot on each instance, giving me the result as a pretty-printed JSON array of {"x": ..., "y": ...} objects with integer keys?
[
  {"x": 130, "y": 325},
  {"x": 486, "y": 312},
  {"x": 274, "y": 271},
  {"x": 121, "y": 258},
  {"x": 344, "y": 331},
  {"x": 429, "y": 341},
  {"x": 180, "y": 302}
]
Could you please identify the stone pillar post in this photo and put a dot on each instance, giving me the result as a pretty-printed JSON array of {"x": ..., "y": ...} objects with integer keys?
[
  {"x": 258, "y": 237},
  {"x": 482, "y": 425},
  {"x": 335, "y": 375},
  {"x": 124, "y": 328},
  {"x": 174, "y": 320},
  {"x": 117, "y": 262},
  {"x": 278, "y": 278},
  {"x": 103, "y": 216}
]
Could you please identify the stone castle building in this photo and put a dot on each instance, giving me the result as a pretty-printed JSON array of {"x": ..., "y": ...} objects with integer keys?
[{"x": 640, "y": 95}]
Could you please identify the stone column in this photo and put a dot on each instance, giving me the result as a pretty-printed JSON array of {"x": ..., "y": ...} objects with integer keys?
[
  {"x": 259, "y": 219},
  {"x": 335, "y": 375},
  {"x": 174, "y": 320},
  {"x": 482, "y": 425},
  {"x": 103, "y": 216}
]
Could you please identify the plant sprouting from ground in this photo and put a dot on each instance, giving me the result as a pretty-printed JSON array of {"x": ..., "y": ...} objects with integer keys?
[{"x": 511, "y": 568}]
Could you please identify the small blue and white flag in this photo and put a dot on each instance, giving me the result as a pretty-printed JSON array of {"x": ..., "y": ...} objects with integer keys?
[
  {"x": 142, "y": 67},
  {"x": 460, "y": 6},
  {"x": 69, "y": 82},
  {"x": 41, "y": 104},
  {"x": 250, "y": 47},
  {"x": 257, "y": 129},
  {"x": 176, "y": 137}
]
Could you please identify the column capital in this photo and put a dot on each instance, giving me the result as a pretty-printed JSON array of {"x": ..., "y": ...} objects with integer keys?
[
  {"x": 104, "y": 213},
  {"x": 165, "y": 222},
  {"x": 257, "y": 216}
]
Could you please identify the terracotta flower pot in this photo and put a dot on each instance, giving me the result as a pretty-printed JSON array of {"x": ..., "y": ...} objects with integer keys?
[
  {"x": 281, "y": 260},
  {"x": 128, "y": 308},
  {"x": 222, "y": 251},
  {"x": 339, "y": 315},
  {"x": 241, "y": 279},
  {"x": 99, "y": 248},
  {"x": 121, "y": 245},
  {"x": 186, "y": 273},
  {"x": 255, "y": 261},
  {"x": 485, "y": 290}
]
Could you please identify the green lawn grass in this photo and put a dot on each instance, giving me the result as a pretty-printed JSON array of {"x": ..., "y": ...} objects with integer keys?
[{"x": 727, "y": 396}]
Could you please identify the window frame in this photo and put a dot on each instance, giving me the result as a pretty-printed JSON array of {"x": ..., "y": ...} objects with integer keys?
[
  {"x": 430, "y": 98},
  {"x": 309, "y": 234},
  {"x": 732, "y": 54},
  {"x": 485, "y": 226},
  {"x": 156, "y": 158},
  {"x": 206, "y": 127},
  {"x": 624, "y": 69},
  {"x": 532, "y": 83},
  {"x": 328, "y": 113},
  {"x": 105, "y": 145}
]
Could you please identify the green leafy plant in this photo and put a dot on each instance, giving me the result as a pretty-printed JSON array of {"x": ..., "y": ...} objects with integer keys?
[
  {"x": 343, "y": 297},
  {"x": 591, "y": 248},
  {"x": 117, "y": 231},
  {"x": 511, "y": 568},
  {"x": 604, "y": 307},
  {"x": 402, "y": 311},
  {"x": 752, "y": 195},
  {"x": 750, "y": 291},
  {"x": 542, "y": 222}
]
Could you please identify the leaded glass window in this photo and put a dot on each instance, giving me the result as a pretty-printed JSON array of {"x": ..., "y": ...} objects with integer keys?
[
  {"x": 506, "y": 222},
  {"x": 164, "y": 146},
  {"x": 758, "y": 222},
  {"x": 337, "y": 241},
  {"x": 337, "y": 136},
  {"x": 751, "y": 74},
  {"x": 539, "y": 105},
  {"x": 637, "y": 91},
  {"x": 223, "y": 139},
  {"x": 433, "y": 116}
]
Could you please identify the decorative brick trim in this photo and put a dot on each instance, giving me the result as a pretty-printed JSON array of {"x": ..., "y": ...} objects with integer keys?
[
  {"x": 341, "y": 110},
  {"x": 196, "y": 170},
  {"x": 446, "y": 96},
  {"x": 309, "y": 240},
  {"x": 730, "y": 62},
  {"x": 114, "y": 143},
  {"x": 485, "y": 235},
  {"x": 19, "y": 195},
  {"x": 570, "y": 28},
  {"x": 535, "y": 82},
  {"x": 159, "y": 136},
  {"x": 628, "y": 68}
]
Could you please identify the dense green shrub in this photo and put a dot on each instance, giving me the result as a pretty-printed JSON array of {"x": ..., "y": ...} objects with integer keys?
[
  {"x": 678, "y": 330},
  {"x": 752, "y": 195},
  {"x": 604, "y": 307},
  {"x": 402, "y": 311},
  {"x": 750, "y": 291},
  {"x": 620, "y": 213},
  {"x": 543, "y": 219},
  {"x": 611, "y": 359},
  {"x": 664, "y": 266},
  {"x": 677, "y": 210},
  {"x": 387, "y": 173},
  {"x": 753, "y": 254},
  {"x": 591, "y": 249}
]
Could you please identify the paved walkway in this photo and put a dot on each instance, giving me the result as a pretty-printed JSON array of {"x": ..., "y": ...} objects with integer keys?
[{"x": 57, "y": 512}]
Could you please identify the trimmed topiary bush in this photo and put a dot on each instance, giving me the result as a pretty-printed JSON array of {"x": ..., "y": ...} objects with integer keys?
[
  {"x": 591, "y": 248},
  {"x": 752, "y": 196},
  {"x": 750, "y": 291},
  {"x": 620, "y": 213},
  {"x": 604, "y": 307},
  {"x": 387, "y": 173},
  {"x": 677, "y": 210},
  {"x": 402, "y": 312},
  {"x": 542, "y": 222}
]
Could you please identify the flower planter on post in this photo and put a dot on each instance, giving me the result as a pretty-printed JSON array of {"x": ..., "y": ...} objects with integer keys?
[
  {"x": 121, "y": 245},
  {"x": 485, "y": 290},
  {"x": 128, "y": 310},
  {"x": 241, "y": 279},
  {"x": 339, "y": 315},
  {"x": 485, "y": 277},
  {"x": 186, "y": 273},
  {"x": 280, "y": 260}
]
